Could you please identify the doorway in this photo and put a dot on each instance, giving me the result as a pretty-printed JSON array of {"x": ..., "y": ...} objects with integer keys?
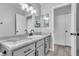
[
  {"x": 62, "y": 23},
  {"x": 62, "y": 29}
]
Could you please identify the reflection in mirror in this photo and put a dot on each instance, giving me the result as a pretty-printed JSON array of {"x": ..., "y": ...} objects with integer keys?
[
  {"x": 20, "y": 24},
  {"x": 37, "y": 21},
  {"x": 45, "y": 20},
  {"x": 42, "y": 21}
]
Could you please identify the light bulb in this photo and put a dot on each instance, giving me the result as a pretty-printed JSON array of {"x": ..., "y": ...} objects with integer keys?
[
  {"x": 27, "y": 9},
  {"x": 23, "y": 7},
  {"x": 45, "y": 18},
  {"x": 26, "y": 5},
  {"x": 31, "y": 8},
  {"x": 33, "y": 11}
]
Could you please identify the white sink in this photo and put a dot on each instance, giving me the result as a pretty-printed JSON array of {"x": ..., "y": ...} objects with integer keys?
[
  {"x": 15, "y": 41},
  {"x": 34, "y": 36}
]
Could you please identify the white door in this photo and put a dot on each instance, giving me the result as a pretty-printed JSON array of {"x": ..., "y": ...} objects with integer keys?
[
  {"x": 73, "y": 29},
  {"x": 59, "y": 31},
  {"x": 67, "y": 29}
]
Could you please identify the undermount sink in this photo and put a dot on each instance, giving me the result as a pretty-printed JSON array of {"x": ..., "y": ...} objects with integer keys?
[
  {"x": 34, "y": 37},
  {"x": 12, "y": 40},
  {"x": 18, "y": 40}
]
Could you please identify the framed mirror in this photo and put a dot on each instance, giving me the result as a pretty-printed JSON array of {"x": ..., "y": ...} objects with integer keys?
[
  {"x": 42, "y": 21},
  {"x": 37, "y": 22},
  {"x": 46, "y": 20}
]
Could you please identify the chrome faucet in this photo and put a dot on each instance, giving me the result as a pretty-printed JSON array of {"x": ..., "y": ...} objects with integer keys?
[
  {"x": 31, "y": 32},
  {"x": 26, "y": 31}
]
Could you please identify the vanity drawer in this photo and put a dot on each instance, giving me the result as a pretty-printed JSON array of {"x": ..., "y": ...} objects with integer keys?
[
  {"x": 24, "y": 51},
  {"x": 41, "y": 42}
]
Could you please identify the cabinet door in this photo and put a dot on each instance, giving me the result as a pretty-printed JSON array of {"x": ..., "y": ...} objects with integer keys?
[
  {"x": 47, "y": 42},
  {"x": 47, "y": 47},
  {"x": 39, "y": 43},
  {"x": 40, "y": 51}
]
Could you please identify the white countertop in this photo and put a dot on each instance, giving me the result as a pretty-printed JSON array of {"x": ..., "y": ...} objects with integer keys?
[{"x": 14, "y": 43}]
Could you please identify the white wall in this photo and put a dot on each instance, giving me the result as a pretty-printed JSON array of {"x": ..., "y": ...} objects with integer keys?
[
  {"x": 7, "y": 15},
  {"x": 47, "y": 8}
]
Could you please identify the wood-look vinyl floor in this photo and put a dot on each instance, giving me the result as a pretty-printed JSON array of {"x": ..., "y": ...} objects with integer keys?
[{"x": 60, "y": 51}]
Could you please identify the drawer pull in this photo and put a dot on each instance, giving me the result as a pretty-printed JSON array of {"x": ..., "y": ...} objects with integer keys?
[
  {"x": 27, "y": 51},
  {"x": 4, "y": 52},
  {"x": 37, "y": 53}
]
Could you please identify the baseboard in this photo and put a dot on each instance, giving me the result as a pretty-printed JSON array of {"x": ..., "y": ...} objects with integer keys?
[
  {"x": 52, "y": 49},
  {"x": 63, "y": 45}
]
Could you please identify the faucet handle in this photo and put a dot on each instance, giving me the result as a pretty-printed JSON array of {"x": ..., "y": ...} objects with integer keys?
[{"x": 25, "y": 29}]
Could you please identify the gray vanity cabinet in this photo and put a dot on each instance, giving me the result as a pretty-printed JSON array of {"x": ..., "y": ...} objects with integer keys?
[
  {"x": 43, "y": 46},
  {"x": 40, "y": 47},
  {"x": 37, "y": 48},
  {"x": 47, "y": 44}
]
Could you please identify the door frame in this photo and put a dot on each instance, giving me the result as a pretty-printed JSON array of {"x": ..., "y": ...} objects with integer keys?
[{"x": 73, "y": 27}]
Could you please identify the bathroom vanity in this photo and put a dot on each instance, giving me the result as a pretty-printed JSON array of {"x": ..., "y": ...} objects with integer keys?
[{"x": 36, "y": 45}]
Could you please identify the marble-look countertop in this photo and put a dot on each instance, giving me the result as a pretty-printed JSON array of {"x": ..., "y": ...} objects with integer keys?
[{"x": 14, "y": 43}]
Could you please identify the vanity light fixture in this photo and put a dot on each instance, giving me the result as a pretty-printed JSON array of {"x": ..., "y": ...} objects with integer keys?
[
  {"x": 31, "y": 8},
  {"x": 28, "y": 10},
  {"x": 28, "y": 7},
  {"x": 45, "y": 18},
  {"x": 33, "y": 11}
]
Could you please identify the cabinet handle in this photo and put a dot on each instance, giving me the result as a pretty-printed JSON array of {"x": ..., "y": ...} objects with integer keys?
[
  {"x": 25, "y": 29},
  {"x": 17, "y": 31},
  {"x": 37, "y": 53},
  {"x": 27, "y": 51}
]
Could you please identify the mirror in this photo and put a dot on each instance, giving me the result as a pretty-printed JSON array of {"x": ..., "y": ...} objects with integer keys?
[
  {"x": 20, "y": 24},
  {"x": 37, "y": 22},
  {"x": 42, "y": 21},
  {"x": 45, "y": 19}
]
